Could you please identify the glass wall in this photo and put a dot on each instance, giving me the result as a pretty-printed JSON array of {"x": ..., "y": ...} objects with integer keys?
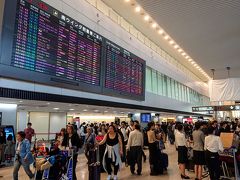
[{"x": 163, "y": 85}]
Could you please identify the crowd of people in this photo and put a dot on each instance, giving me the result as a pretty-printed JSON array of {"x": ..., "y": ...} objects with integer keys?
[{"x": 123, "y": 143}]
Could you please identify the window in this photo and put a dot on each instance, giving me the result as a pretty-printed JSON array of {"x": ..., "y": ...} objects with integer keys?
[
  {"x": 154, "y": 82},
  {"x": 160, "y": 83},
  {"x": 148, "y": 80}
]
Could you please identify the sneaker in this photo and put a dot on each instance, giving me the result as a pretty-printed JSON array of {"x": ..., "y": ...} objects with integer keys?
[
  {"x": 109, "y": 177},
  {"x": 115, "y": 177}
]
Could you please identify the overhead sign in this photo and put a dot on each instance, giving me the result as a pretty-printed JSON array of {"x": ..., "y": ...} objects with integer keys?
[
  {"x": 216, "y": 108},
  {"x": 203, "y": 108},
  {"x": 228, "y": 108}
]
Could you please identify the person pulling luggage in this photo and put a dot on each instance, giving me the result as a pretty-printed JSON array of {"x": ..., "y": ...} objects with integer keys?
[{"x": 134, "y": 148}]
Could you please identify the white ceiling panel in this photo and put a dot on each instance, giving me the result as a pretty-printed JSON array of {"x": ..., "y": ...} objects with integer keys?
[{"x": 209, "y": 31}]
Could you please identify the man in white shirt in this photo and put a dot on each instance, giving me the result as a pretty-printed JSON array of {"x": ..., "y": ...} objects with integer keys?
[
  {"x": 130, "y": 127},
  {"x": 134, "y": 147},
  {"x": 212, "y": 146},
  {"x": 124, "y": 131}
]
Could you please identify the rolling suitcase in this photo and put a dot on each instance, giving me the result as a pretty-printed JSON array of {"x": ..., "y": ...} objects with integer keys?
[
  {"x": 94, "y": 166},
  {"x": 164, "y": 160}
]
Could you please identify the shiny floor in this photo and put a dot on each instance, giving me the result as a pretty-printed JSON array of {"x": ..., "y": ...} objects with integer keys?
[{"x": 82, "y": 171}]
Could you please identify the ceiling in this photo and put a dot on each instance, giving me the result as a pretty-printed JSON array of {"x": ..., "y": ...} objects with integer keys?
[
  {"x": 79, "y": 109},
  {"x": 209, "y": 31}
]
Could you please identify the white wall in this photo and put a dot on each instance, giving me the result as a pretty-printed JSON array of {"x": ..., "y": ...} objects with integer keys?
[
  {"x": 57, "y": 122},
  {"x": 9, "y": 114},
  {"x": 40, "y": 123},
  {"x": 22, "y": 120}
]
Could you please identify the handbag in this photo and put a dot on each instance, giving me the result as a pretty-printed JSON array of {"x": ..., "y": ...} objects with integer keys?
[{"x": 161, "y": 145}]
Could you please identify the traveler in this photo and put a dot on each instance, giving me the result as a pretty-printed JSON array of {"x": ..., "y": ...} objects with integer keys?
[
  {"x": 212, "y": 146},
  {"x": 9, "y": 150},
  {"x": 99, "y": 138},
  {"x": 118, "y": 130},
  {"x": 113, "y": 152},
  {"x": 59, "y": 138},
  {"x": 143, "y": 153},
  {"x": 2, "y": 144},
  {"x": 124, "y": 131},
  {"x": 23, "y": 156},
  {"x": 154, "y": 152},
  {"x": 72, "y": 141},
  {"x": 135, "y": 147},
  {"x": 130, "y": 127},
  {"x": 29, "y": 131},
  {"x": 89, "y": 142},
  {"x": 198, "y": 150},
  {"x": 181, "y": 145}
]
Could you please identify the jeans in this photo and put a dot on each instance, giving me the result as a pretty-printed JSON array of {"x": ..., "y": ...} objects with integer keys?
[{"x": 26, "y": 168}]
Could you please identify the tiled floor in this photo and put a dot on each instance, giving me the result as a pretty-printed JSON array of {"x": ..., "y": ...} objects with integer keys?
[{"x": 124, "y": 174}]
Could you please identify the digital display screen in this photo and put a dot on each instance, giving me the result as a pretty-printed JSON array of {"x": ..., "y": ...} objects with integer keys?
[
  {"x": 124, "y": 71},
  {"x": 9, "y": 131},
  {"x": 145, "y": 117},
  {"x": 43, "y": 45},
  {"x": 49, "y": 42}
]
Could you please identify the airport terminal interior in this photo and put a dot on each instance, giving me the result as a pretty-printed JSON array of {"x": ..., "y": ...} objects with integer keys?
[{"x": 119, "y": 89}]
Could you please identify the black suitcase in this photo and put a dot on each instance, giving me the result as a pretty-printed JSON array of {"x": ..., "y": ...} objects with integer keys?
[
  {"x": 94, "y": 166},
  {"x": 164, "y": 160}
]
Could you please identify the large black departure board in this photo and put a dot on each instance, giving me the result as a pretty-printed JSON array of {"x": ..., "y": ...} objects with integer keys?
[
  {"x": 124, "y": 72},
  {"x": 41, "y": 44}
]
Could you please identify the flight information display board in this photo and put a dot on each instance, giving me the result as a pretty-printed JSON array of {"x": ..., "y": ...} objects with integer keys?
[
  {"x": 49, "y": 42},
  {"x": 41, "y": 44},
  {"x": 124, "y": 72}
]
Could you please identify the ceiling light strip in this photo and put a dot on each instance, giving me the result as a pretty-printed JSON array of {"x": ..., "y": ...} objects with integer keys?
[{"x": 160, "y": 31}]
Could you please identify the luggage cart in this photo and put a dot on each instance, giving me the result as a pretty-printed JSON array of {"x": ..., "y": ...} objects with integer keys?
[
  {"x": 66, "y": 174},
  {"x": 228, "y": 157}
]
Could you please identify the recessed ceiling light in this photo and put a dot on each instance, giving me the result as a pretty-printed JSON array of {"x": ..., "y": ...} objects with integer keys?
[
  {"x": 176, "y": 46},
  {"x": 160, "y": 31},
  {"x": 122, "y": 112},
  {"x": 138, "y": 9},
  {"x": 187, "y": 57},
  {"x": 195, "y": 65},
  {"x": 166, "y": 37},
  {"x": 154, "y": 25},
  {"x": 171, "y": 42},
  {"x": 56, "y": 108},
  {"x": 85, "y": 110},
  {"x": 193, "y": 62},
  {"x": 127, "y": 0},
  {"x": 71, "y": 109},
  {"x": 96, "y": 110},
  {"x": 105, "y": 111},
  {"x": 183, "y": 53},
  {"x": 48, "y": 103},
  {"x": 180, "y": 50},
  {"x": 146, "y": 18},
  {"x": 190, "y": 60},
  {"x": 20, "y": 101}
]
